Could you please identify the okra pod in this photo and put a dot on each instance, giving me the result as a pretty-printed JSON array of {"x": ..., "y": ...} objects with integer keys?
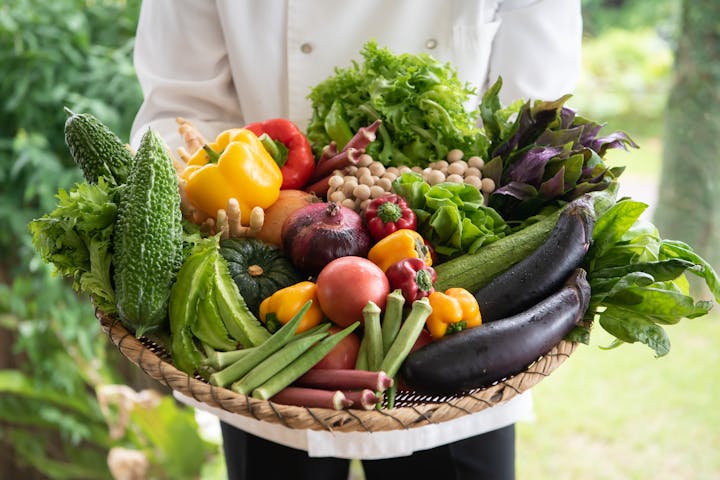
[
  {"x": 275, "y": 362},
  {"x": 219, "y": 359},
  {"x": 392, "y": 318},
  {"x": 240, "y": 368},
  {"x": 373, "y": 334},
  {"x": 302, "y": 364},
  {"x": 361, "y": 363},
  {"x": 406, "y": 337}
]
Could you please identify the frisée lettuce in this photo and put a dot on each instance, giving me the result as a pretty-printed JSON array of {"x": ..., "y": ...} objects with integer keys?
[{"x": 420, "y": 101}]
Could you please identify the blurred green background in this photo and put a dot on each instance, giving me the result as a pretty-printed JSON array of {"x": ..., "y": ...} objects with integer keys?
[{"x": 614, "y": 414}]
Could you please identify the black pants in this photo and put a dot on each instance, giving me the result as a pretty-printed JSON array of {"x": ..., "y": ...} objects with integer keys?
[{"x": 490, "y": 456}]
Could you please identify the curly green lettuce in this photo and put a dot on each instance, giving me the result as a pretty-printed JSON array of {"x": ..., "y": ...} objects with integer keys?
[
  {"x": 451, "y": 216},
  {"x": 76, "y": 238},
  {"x": 420, "y": 101}
]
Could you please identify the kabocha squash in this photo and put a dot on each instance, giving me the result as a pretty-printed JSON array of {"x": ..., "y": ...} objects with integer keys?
[
  {"x": 148, "y": 238},
  {"x": 258, "y": 269},
  {"x": 96, "y": 149}
]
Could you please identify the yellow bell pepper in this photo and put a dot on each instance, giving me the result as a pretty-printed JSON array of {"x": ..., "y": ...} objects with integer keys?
[
  {"x": 399, "y": 245},
  {"x": 452, "y": 311},
  {"x": 236, "y": 166},
  {"x": 280, "y": 307}
]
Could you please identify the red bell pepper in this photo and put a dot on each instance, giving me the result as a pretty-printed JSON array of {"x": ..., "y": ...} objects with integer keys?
[
  {"x": 388, "y": 213},
  {"x": 413, "y": 276},
  {"x": 290, "y": 149}
]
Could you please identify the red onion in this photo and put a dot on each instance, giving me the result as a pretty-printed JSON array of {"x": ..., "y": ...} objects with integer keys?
[{"x": 318, "y": 233}]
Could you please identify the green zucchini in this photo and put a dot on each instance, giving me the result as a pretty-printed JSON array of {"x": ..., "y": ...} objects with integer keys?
[
  {"x": 472, "y": 271},
  {"x": 96, "y": 149},
  {"x": 148, "y": 238}
]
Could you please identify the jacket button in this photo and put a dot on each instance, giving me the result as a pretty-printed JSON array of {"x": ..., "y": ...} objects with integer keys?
[
  {"x": 431, "y": 43},
  {"x": 306, "y": 48}
]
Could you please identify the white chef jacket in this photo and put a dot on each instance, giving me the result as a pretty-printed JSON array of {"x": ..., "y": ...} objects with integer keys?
[{"x": 223, "y": 63}]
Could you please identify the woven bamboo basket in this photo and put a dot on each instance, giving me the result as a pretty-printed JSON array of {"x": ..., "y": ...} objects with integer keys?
[{"x": 411, "y": 409}]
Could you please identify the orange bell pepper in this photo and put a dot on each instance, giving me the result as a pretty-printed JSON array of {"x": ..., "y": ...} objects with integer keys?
[
  {"x": 399, "y": 245},
  {"x": 452, "y": 311},
  {"x": 280, "y": 307},
  {"x": 236, "y": 166}
]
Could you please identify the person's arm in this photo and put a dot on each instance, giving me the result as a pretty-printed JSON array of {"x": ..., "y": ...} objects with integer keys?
[
  {"x": 182, "y": 64},
  {"x": 537, "y": 49}
]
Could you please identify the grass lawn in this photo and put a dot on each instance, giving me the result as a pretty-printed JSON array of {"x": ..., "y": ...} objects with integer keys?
[{"x": 624, "y": 414}]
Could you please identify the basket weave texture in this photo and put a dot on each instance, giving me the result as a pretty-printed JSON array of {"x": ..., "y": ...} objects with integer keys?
[{"x": 411, "y": 409}]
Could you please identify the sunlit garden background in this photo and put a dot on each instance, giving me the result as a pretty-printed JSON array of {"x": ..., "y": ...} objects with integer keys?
[{"x": 67, "y": 399}]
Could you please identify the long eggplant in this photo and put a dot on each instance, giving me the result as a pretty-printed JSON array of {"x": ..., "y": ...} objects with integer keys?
[
  {"x": 480, "y": 356},
  {"x": 543, "y": 271}
]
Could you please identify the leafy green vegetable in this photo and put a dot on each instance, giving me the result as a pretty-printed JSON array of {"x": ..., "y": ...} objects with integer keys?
[
  {"x": 542, "y": 152},
  {"x": 451, "y": 216},
  {"x": 638, "y": 279},
  {"x": 76, "y": 238},
  {"x": 420, "y": 101}
]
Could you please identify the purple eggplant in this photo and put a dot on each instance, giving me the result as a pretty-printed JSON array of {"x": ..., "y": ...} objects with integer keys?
[
  {"x": 480, "y": 356},
  {"x": 544, "y": 270}
]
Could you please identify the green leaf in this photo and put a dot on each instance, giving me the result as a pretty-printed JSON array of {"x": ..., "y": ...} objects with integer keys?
[
  {"x": 630, "y": 328},
  {"x": 85, "y": 461},
  {"x": 611, "y": 226},
  {"x": 658, "y": 304},
  {"x": 603, "y": 287},
  {"x": 172, "y": 435},
  {"x": 488, "y": 107},
  {"x": 451, "y": 216},
  {"x": 420, "y": 101},
  {"x": 412, "y": 188},
  {"x": 573, "y": 169},
  {"x": 680, "y": 250},
  {"x": 14, "y": 382},
  {"x": 446, "y": 223},
  {"x": 660, "y": 271}
]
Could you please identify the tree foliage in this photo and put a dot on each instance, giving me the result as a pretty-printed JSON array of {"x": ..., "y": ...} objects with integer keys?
[
  {"x": 600, "y": 16},
  {"x": 74, "y": 53},
  {"x": 689, "y": 189}
]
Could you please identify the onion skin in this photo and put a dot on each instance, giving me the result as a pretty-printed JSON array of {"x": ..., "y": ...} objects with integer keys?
[{"x": 317, "y": 234}]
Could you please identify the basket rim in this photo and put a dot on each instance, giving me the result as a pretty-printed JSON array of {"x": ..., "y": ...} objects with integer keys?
[{"x": 324, "y": 419}]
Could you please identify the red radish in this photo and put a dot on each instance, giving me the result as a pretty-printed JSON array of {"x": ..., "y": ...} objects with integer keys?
[
  {"x": 345, "y": 379},
  {"x": 343, "y": 355},
  {"x": 422, "y": 340},
  {"x": 346, "y": 285},
  {"x": 312, "y": 397},
  {"x": 364, "y": 399}
]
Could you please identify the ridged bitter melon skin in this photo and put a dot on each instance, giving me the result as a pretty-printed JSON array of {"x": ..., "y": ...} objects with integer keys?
[
  {"x": 96, "y": 149},
  {"x": 148, "y": 238}
]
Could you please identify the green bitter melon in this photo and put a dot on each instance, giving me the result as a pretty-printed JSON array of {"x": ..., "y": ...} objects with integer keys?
[
  {"x": 148, "y": 238},
  {"x": 96, "y": 149}
]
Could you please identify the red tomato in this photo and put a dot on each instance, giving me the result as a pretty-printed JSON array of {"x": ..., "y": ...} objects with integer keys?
[
  {"x": 422, "y": 340},
  {"x": 343, "y": 355},
  {"x": 346, "y": 285}
]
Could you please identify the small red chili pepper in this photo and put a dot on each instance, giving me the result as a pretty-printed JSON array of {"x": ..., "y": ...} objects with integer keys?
[
  {"x": 290, "y": 149},
  {"x": 413, "y": 276},
  {"x": 387, "y": 214}
]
